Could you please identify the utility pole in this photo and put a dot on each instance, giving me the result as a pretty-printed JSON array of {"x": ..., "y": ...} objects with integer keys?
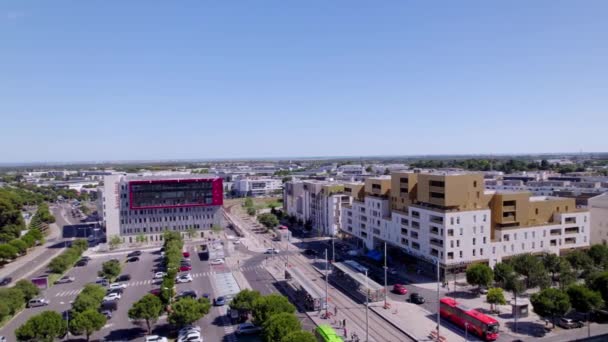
[
  {"x": 326, "y": 286},
  {"x": 466, "y": 331},
  {"x": 438, "y": 303},
  {"x": 333, "y": 250},
  {"x": 385, "y": 276},
  {"x": 366, "y": 308}
]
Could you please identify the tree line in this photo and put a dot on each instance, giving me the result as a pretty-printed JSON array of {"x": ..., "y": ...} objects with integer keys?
[{"x": 507, "y": 166}]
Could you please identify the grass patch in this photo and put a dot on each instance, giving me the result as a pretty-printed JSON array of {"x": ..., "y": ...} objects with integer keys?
[{"x": 53, "y": 277}]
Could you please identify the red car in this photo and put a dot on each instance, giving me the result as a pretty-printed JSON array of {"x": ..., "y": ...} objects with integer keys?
[
  {"x": 399, "y": 289},
  {"x": 155, "y": 292},
  {"x": 185, "y": 268},
  {"x": 186, "y": 254}
]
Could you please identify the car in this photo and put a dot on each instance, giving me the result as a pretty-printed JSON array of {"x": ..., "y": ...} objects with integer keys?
[
  {"x": 219, "y": 301},
  {"x": 187, "y": 294},
  {"x": 399, "y": 289},
  {"x": 206, "y": 295},
  {"x": 186, "y": 254},
  {"x": 189, "y": 329},
  {"x": 133, "y": 259},
  {"x": 185, "y": 263},
  {"x": 107, "y": 313},
  {"x": 86, "y": 258},
  {"x": 65, "y": 280},
  {"x": 416, "y": 298},
  {"x": 134, "y": 254},
  {"x": 159, "y": 275},
  {"x": 5, "y": 281},
  {"x": 185, "y": 268},
  {"x": 155, "y": 292},
  {"x": 111, "y": 297},
  {"x": 36, "y": 302},
  {"x": 247, "y": 329},
  {"x": 156, "y": 338},
  {"x": 67, "y": 315},
  {"x": 568, "y": 323},
  {"x": 117, "y": 286},
  {"x": 82, "y": 263},
  {"x": 3, "y": 339},
  {"x": 119, "y": 291},
  {"x": 310, "y": 252},
  {"x": 191, "y": 337},
  {"x": 483, "y": 290},
  {"x": 216, "y": 262},
  {"x": 272, "y": 251},
  {"x": 184, "y": 278},
  {"x": 123, "y": 277}
]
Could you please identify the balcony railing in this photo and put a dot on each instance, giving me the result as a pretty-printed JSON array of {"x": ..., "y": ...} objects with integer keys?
[{"x": 436, "y": 243}]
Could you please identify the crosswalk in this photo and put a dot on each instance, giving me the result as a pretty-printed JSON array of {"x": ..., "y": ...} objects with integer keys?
[{"x": 136, "y": 283}]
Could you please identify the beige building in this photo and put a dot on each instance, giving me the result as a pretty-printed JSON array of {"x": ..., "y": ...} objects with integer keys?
[{"x": 598, "y": 207}]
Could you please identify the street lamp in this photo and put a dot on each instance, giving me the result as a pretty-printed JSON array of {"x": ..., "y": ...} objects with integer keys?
[
  {"x": 466, "y": 331},
  {"x": 366, "y": 308}
]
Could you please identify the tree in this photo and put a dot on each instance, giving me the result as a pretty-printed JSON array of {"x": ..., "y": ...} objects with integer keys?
[
  {"x": 495, "y": 296},
  {"x": 44, "y": 327},
  {"x": 280, "y": 325},
  {"x": 566, "y": 274},
  {"x": 13, "y": 299},
  {"x": 580, "y": 261},
  {"x": 599, "y": 282},
  {"x": 191, "y": 232},
  {"x": 251, "y": 211},
  {"x": 115, "y": 241},
  {"x": 110, "y": 270},
  {"x": 87, "y": 322},
  {"x": 243, "y": 301},
  {"x": 20, "y": 245},
  {"x": 188, "y": 310},
  {"x": 479, "y": 274},
  {"x": 141, "y": 238},
  {"x": 248, "y": 202},
  {"x": 551, "y": 262},
  {"x": 502, "y": 272},
  {"x": 28, "y": 289},
  {"x": 80, "y": 245},
  {"x": 8, "y": 252},
  {"x": 583, "y": 299},
  {"x": 148, "y": 308},
  {"x": 532, "y": 268},
  {"x": 167, "y": 289},
  {"x": 268, "y": 220},
  {"x": 369, "y": 169},
  {"x": 89, "y": 298},
  {"x": 299, "y": 336},
  {"x": 550, "y": 303},
  {"x": 266, "y": 306},
  {"x": 599, "y": 255}
]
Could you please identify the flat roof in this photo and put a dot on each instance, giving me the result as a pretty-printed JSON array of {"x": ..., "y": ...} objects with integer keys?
[
  {"x": 304, "y": 281},
  {"x": 169, "y": 177},
  {"x": 358, "y": 277}
]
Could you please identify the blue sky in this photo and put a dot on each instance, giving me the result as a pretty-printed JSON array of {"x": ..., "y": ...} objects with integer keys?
[{"x": 128, "y": 80}]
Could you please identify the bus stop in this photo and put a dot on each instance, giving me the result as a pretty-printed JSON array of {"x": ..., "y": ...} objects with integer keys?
[
  {"x": 356, "y": 283},
  {"x": 307, "y": 291}
]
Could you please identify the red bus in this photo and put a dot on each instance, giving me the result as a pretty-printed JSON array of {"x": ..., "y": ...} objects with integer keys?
[{"x": 474, "y": 321}]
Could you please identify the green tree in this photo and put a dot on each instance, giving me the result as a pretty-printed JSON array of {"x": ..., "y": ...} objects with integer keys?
[
  {"x": 567, "y": 276},
  {"x": 80, "y": 245},
  {"x": 44, "y": 327},
  {"x": 110, "y": 270},
  {"x": 266, "y": 306},
  {"x": 141, "y": 238},
  {"x": 479, "y": 274},
  {"x": 217, "y": 228},
  {"x": 148, "y": 308},
  {"x": 87, "y": 322},
  {"x": 550, "y": 303},
  {"x": 8, "y": 252},
  {"x": 13, "y": 299},
  {"x": 599, "y": 282},
  {"x": 20, "y": 245},
  {"x": 248, "y": 203},
  {"x": 89, "y": 298},
  {"x": 532, "y": 268},
  {"x": 167, "y": 289},
  {"x": 299, "y": 336},
  {"x": 495, "y": 296},
  {"x": 243, "y": 301},
  {"x": 268, "y": 220},
  {"x": 580, "y": 261},
  {"x": 551, "y": 262},
  {"x": 4, "y": 311},
  {"x": 115, "y": 241},
  {"x": 28, "y": 289},
  {"x": 188, "y": 310},
  {"x": 583, "y": 299},
  {"x": 251, "y": 211},
  {"x": 280, "y": 325},
  {"x": 599, "y": 255},
  {"x": 191, "y": 232}
]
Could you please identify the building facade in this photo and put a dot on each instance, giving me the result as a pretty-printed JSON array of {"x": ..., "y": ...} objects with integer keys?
[
  {"x": 448, "y": 218},
  {"x": 598, "y": 207},
  {"x": 150, "y": 205},
  {"x": 257, "y": 186},
  {"x": 316, "y": 202}
]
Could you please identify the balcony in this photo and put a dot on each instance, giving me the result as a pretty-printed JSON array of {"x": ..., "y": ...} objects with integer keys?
[
  {"x": 571, "y": 230},
  {"x": 437, "y": 219},
  {"x": 508, "y": 208},
  {"x": 569, "y": 241},
  {"x": 435, "y": 242},
  {"x": 435, "y": 230},
  {"x": 555, "y": 232}
]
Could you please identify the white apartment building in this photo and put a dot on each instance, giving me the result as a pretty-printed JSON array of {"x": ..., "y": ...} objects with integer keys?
[
  {"x": 598, "y": 207},
  {"x": 448, "y": 218},
  {"x": 318, "y": 202},
  {"x": 131, "y": 205},
  {"x": 257, "y": 186}
]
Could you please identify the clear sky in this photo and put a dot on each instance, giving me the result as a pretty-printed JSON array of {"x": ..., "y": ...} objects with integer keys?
[{"x": 129, "y": 80}]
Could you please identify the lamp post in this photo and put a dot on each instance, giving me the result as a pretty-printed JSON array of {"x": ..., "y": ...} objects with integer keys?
[
  {"x": 366, "y": 308},
  {"x": 466, "y": 331},
  {"x": 326, "y": 287},
  {"x": 385, "y": 275},
  {"x": 438, "y": 303}
]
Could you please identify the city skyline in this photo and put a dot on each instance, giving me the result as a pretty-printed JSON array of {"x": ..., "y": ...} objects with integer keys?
[{"x": 220, "y": 81}]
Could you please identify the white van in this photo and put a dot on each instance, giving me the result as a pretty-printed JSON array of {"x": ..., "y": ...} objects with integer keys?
[{"x": 35, "y": 302}]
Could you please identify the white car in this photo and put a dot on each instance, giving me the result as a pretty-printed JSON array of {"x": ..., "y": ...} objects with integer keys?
[
  {"x": 247, "y": 328},
  {"x": 111, "y": 297},
  {"x": 115, "y": 286},
  {"x": 184, "y": 278},
  {"x": 216, "y": 261},
  {"x": 156, "y": 338},
  {"x": 64, "y": 280},
  {"x": 188, "y": 329},
  {"x": 159, "y": 275},
  {"x": 272, "y": 251},
  {"x": 192, "y": 336}
]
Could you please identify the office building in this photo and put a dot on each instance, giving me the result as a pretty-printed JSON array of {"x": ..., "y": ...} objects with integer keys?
[{"x": 257, "y": 186}]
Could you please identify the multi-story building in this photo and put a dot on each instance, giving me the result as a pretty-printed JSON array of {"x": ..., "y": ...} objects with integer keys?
[
  {"x": 317, "y": 202},
  {"x": 257, "y": 186},
  {"x": 448, "y": 218},
  {"x": 598, "y": 207},
  {"x": 131, "y": 205}
]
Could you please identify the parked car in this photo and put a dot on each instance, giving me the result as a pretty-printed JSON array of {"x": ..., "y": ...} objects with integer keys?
[
  {"x": 219, "y": 301},
  {"x": 5, "y": 281},
  {"x": 36, "y": 302},
  {"x": 159, "y": 275},
  {"x": 155, "y": 292},
  {"x": 216, "y": 262},
  {"x": 272, "y": 251},
  {"x": 416, "y": 298},
  {"x": 156, "y": 338},
  {"x": 187, "y": 294},
  {"x": 102, "y": 282},
  {"x": 123, "y": 277},
  {"x": 247, "y": 328},
  {"x": 65, "y": 280},
  {"x": 82, "y": 263},
  {"x": 184, "y": 278},
  {"x": 117, "y": 286},
  {"x": 190, "y": 334},
  {"x": 119, "y": 291},
  {"x": 399, "y": 289},
  {"x": 185, "y": 268},
  {"x": 186, "y": 254},
  {"x": 134, "y": 254},
  {"x": 112, "y": 297},
  {"x": 310, "y": 252},
  {"x": 568, "y": 323},
  {"x": 133, "y": 259},
  {"x": 107, "y": 313}
]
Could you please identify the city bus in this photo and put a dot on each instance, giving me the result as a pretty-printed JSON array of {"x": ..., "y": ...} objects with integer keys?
[
  {"x": 473, "y": 321},
  {"x": 325, "y": 333}
]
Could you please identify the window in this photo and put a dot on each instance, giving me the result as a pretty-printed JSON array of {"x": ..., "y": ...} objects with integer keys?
[
  {"x": 451, "y": 220},
  {"x": 506, "y": 237},
  {"x": 437, "y": 195},
  {"x": 523, "y": 246},
  {"x": 415, "y": 245},
  {"x": 474, "y": 184},
  {"x": 460, "y": 254},
  {"x": 533, "y": 244},
  {"x": 484, "y": 240},
  {"x": 512, "y": 248},
  {"x": 452, "y": 244},
  {"x": 437, "y": 183},
  {"x": 481, "y": 251},
  {"x": 474, "y": 230},
  {"x": 515, "y": 236},
  {"x": 457, "y": 243},
  {"x": 450, "y": 232},
  {"x": 474, "y": 241},
  {"x": 481, "y": 228},
  {"x": 473, "y": 251},
  {"x": 450, "y": 255},
  {"x": 525, "y": 235},
  {"x": 493, "y": 250},
  {"x": 474, "y": 218},
  {"x": 405, "y": 222},
  {"x": 458, "y": 220},
  {"x": 485, "y": 217},
  {"x": 461, "y": 231},
  {"x": 541, "y": 244}
]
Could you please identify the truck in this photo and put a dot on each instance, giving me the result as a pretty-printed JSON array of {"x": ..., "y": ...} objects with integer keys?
[{"x": 203, "y": 252}]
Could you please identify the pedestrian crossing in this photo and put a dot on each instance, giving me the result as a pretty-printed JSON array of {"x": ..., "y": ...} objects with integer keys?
[{"x": 68, "y": 293}]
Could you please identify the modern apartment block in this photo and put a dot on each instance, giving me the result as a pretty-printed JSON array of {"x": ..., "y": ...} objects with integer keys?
[
  {"x": 451, "y": 219},
  {"x": 132, "y": 205},
  {"x": 257, "y": 186},
  {"x": 318, "y": 202},
  {"x": 598, "y": 207}
]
